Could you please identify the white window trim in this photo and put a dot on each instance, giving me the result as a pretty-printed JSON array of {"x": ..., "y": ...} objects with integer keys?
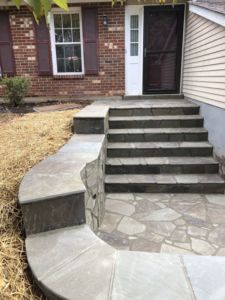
[
  {"x": 213, "y": 16},
  {"x": 52, "y": 37}
]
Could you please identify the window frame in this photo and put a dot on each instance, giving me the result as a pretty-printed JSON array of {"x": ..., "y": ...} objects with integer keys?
[{"x": 73, "y": 10}]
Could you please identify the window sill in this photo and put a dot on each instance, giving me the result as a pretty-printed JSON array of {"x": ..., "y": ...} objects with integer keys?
[{"x": 68, "y": 76}]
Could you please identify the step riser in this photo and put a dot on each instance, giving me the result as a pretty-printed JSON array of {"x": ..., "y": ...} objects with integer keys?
[
  {"x": 159, "y": 152},
  {"x": 209, "y": 188},
  {"x": 159, "y": 137},
  {"x": 163, "y": 169},
  {"x": 143, "y": 111},
  {"x": 155, "y": 124}
]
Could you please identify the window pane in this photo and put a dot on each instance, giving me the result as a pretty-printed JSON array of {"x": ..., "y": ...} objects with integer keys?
[
  {"x": 67, "y": 35},
  {"x": 57, "y": 21},
  {"x": 77, "y": 58},
  {"x": 60, "y": 51},
  {"x": 134, "y": 36},
  {"x": 69, "y": 51},
  {"x": 133, "y": 22},
  {"x": 75, "y": 21},
  {"x": 58, "y": 36},
  {"x": 66, "y": 21},
  {"x": 60, "y": 65},
  {"x": 68, "y": 58},
  {"x": 76, "y": 35},
  {"x": 134, "y": 49}
]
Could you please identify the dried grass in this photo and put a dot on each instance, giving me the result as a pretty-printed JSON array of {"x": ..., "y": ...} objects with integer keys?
[{"x": 24, "y": 141}]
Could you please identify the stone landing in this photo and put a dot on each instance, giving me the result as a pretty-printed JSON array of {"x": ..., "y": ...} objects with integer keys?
[{"x": 165, "y": 223}]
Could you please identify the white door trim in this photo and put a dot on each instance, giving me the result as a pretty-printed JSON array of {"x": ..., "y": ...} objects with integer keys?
[{"x": 134, "y": 64}]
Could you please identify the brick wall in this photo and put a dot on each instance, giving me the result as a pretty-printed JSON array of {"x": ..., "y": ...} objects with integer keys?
[{"x": 111, "y": 77}]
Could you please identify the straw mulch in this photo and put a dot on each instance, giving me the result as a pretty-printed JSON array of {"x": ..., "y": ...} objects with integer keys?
[{"x": 24, "y": 141}]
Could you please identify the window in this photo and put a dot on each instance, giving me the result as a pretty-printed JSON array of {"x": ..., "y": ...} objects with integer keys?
[
  {"x": 67, "y": 43},
  {"x": 134, "y": 32}
]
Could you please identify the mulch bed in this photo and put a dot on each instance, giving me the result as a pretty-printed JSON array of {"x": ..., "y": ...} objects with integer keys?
[{"x": 25, "y": 141}]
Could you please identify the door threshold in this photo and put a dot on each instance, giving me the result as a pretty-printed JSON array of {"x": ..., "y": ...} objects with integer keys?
[{"x": 154, "y": 96}]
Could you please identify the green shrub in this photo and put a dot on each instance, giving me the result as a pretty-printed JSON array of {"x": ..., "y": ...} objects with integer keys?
[{"x": 16, "y": 89}]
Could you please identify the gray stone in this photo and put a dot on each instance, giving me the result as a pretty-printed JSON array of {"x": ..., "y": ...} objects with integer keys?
[
  {"x": 119, "y": 207},
  {"x": 50, "y": 214},
  {"x": 217, "y": 236},
  {"x": 143, "y": 276},
  {"x": 130, "y": 226},
  {"x": 151, "y": 236},
  {"x": 128, "y": 197},
  {"x": 179, "y": 236},
  {"x": 162, "y": 228},
  {"x": 186, "y": 246},
  {"x": 198, "y": 211},
  {"x": 221, "y": 252},
  {"x": 202, "y": 247},
  {"x": 144, "y": 245},
  {"x": 174, "y": 250},
  {"x": 196, "y": 231},
  {"x": 110, "y": 222},
  {"x": 216, "y": 214},
  {"x": 207, "y": 276},
  {"x": 114, "y": 240},
  {"x": 164, "y": 214},
  {"x": 216, "y": 199}
]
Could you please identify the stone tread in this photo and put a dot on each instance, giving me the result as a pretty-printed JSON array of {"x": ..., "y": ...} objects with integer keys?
[
  {"x": 73, "y": 263},
  {"x": 158, "y": 145},
  {"x": 156, "y": 131},
  {"x": 164, "y": 179},
  {"x": 149, "y": 118},
  {"x": 132, "y": 104},
  {"x": 120, "y": 161}
]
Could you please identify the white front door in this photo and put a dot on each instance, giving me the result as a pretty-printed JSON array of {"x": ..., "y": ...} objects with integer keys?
[{"x": 134, "y": 49}]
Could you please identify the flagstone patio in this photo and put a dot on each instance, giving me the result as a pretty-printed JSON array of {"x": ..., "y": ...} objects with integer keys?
[{"x": 169, "y": 223}]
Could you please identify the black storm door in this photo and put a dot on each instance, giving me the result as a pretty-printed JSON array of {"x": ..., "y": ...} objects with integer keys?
[{"x": 163, "y": 33}]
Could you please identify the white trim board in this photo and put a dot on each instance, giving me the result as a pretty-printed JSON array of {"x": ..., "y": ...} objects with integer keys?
[
  {"x": 208, "y": 14},
  {"x": 133, "y": 64}
]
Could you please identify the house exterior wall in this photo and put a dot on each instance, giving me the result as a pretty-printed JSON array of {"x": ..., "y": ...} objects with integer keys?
[
  {"x": 111, "y": 76},
  {"x": 204, "y": 75},
  {"x": 204, "y": 61}
]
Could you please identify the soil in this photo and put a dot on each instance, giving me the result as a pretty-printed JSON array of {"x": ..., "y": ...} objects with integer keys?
[
  {"x": 8, "y": 112},
  {"x": 29, "y": 107}
]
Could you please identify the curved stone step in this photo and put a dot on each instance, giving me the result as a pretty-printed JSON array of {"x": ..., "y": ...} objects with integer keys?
[
  {"x": 155, "y": 121},
  {"x": 157, "y": 165},
  {"x": 164, "y": 183},
  {"x": 158, "y": 149},
  {"x": 73, "y": 263},
  {"x": 157, "y": 135},
  {"x": 52, "y": 194}
]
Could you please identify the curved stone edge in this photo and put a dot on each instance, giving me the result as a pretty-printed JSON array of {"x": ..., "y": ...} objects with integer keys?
[
  {"x": 69, "y": 183},
  {"x": 73, "y": 263}
]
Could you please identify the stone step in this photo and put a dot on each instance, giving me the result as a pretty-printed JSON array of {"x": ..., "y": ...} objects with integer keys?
[
  {"x": 155, "y": 110},
  {"x": 164, "y": 183},
  {"x": 158, "y": 165},
  {"x": 155, "y": 121},
  {"x": 159, "y": 149},
  {"x": 157, "y": 134}
]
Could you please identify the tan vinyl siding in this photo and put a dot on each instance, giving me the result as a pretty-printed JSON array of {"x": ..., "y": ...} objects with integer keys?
[{"x": 204, "y": 61}]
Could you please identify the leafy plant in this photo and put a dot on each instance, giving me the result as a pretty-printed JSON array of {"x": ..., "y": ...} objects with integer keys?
[
  {"x": 41, "y": 7},
  {"x": 16, "y": 89}
]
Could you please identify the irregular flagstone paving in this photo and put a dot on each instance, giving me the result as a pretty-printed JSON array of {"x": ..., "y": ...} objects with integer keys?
[{"x": 167, "y": 223}]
